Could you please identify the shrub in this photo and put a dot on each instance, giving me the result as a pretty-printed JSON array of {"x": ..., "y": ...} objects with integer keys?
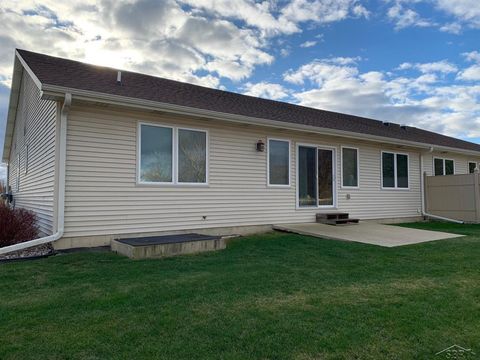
[{"x": 16, "y": 225}]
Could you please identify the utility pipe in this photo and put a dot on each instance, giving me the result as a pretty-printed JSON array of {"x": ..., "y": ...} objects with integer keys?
[{"x": 61, "y": 186}]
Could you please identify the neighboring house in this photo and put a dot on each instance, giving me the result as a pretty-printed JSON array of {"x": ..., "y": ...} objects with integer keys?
[{"x": 100, "y": 153}]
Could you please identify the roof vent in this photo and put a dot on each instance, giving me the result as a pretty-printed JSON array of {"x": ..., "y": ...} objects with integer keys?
[
  {"x": 119, "y": 78},
  {"x": 387, "y": 123}
]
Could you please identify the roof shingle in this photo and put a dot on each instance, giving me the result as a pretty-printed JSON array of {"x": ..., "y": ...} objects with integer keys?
[{"x": 73, "y": 74}]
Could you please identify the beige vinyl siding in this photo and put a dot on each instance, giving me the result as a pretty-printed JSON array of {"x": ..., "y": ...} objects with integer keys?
[
  {"x": 460, "y": 161},
  {"x": 34, "y": 125},
  {"x": 102, "y": 197}
]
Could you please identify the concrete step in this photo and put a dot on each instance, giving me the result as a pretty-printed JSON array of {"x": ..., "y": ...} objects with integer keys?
[
  {"x": 167, "y": 245},
  {"x": 335, "y": 218},
  {"x": 341, "y": 222}
]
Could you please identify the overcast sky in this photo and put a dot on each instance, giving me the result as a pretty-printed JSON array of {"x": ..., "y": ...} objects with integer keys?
[{"x": 409, "y": 61}]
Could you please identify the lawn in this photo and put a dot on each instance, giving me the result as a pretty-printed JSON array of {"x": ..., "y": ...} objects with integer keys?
[{"x": 271, "y": 296}]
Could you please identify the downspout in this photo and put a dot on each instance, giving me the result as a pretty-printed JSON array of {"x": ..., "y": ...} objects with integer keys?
[
  {"x": 422, "y": 187},
  {"x": 61, "y": 186}
]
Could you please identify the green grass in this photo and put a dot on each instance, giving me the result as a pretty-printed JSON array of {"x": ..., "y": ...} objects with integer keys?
[{"x": 272, "y": 296}]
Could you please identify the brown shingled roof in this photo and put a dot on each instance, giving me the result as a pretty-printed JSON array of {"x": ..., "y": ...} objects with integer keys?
[{"x": 72, "y": 74}]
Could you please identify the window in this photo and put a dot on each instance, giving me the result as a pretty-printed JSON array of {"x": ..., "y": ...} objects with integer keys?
[
  {"x": 443, "y": 166},
  {"x": 394, "y": 170},
  {"x": 349, "y": 167},
  {"x": 172, "y": 155},
  {"x": 192, "y": 156},
  {"x": 471, "y": 167},
  {"x": 278, "y": 162},
  {"x": 388, "y": 170},
  {"x": 156, "y": 154},
  {"x": 449, "y": 167}
]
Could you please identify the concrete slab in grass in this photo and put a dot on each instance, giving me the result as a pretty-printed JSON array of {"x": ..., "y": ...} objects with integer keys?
[
  {"x": 169, "y": 245},
  {"x": 367, "y": 233}
]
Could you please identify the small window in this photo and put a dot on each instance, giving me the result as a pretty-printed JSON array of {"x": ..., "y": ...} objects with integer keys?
[
  {"x": 394, "y": 170},
  {"x": 349, "y": 167},
  {"x": 471, "y": 167},
  {"x": 192, "y": 156},
  {"x": 156, "y": 155},
  {"x": 278, "y": 162},
  {"x": 443, "y": 166}
]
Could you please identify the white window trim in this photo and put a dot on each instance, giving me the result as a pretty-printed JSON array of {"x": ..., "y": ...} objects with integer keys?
[
  {"x": 289, "y": 185},
  {"x": 334, "y": 180},
  {"x": 444, "y": 167},
  {"x": 470, "y": 162},
  {"x": 174, "y": 181},
  {"x": 395, "y": 188},
  {"x": 341, "y": 168}
]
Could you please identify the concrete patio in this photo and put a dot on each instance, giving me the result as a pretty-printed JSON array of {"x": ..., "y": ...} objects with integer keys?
[{"x": 367, "y": 233}]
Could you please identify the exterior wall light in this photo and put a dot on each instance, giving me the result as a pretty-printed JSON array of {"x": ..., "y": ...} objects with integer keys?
[{"x": 260, "y": 146}]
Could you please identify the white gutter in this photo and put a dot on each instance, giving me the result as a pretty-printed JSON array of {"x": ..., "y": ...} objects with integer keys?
[
  {"x": 61, "y": 186},
  {"x": 422, "y": 193}
]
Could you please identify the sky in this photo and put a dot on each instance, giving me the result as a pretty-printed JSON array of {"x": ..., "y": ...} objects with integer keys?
[{"x": 414, "y": 62}]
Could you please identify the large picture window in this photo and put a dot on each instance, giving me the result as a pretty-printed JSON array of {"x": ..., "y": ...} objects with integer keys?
[
  {"x": 394, "y": 170},
  {"x": 172, "y": 155},
  {"x": 349, "y": 167},
  {"x": 278, "y": 162},
  {"x": 443, "y": 166}
]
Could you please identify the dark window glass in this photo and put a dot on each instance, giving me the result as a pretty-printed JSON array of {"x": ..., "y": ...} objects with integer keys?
[
  {"x": 307, "y": 178},
  {"x": 402, "y": 171},
  {"x": 438, "y": 167},
  {"x": 471, "y": 167},
  {"x": 325, "y": 177},
  {"x": 156, "y": 154},
  {"x": 388, "y": 173},
  {"x": 449, "y": 167},
  {"x": 350, "y": 167},
  {"x": 192, "y": 156},
  {"x": 278, "y": 162}
]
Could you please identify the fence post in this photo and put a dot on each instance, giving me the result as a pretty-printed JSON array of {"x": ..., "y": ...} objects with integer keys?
[{"x": 476, "y": 182}]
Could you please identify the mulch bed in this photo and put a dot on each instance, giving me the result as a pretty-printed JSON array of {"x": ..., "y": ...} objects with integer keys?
[{"x": 34, "y": 252}]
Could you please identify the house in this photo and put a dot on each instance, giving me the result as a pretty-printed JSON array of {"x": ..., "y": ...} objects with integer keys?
[{"x": 99, "y": 153}]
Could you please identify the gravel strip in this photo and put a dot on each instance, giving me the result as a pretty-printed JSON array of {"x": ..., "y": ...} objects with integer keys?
[{"x": 40, "y": 250}]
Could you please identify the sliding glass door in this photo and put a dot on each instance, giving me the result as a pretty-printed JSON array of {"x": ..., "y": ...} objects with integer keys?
[
  {"x": 316, "y": 168},
  {"x": 307, "y": 176}
]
